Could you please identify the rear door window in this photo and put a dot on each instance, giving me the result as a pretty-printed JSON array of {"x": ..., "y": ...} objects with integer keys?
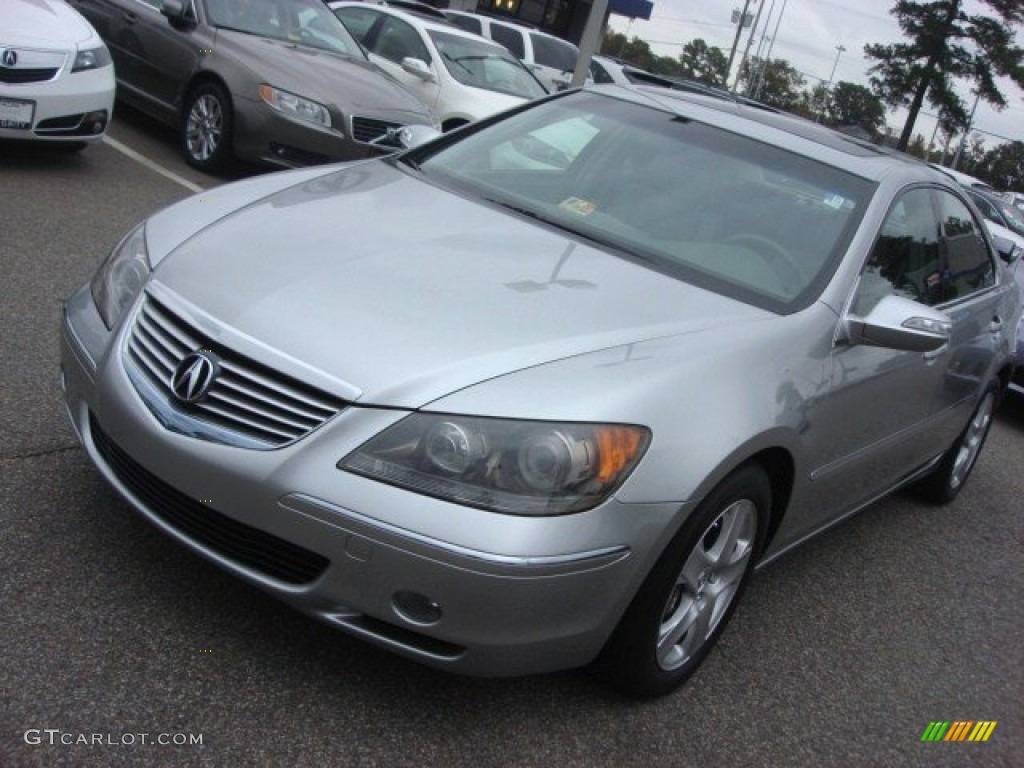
[
  {"x": 510, "y": 37},
  {"x": 554, "y": 53}
]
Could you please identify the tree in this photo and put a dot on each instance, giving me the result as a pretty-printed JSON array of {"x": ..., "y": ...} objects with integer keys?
[
  {"x": 917, "y": 147},
  {"x": 852, "y": 104},
  {"x": 1005, "y": 164},
  {"x": 699, "y": 61},
  {"x": 779, "y": 85},
  {"x": 635, "y": 51},
  {"x": 946, "y": 43}
]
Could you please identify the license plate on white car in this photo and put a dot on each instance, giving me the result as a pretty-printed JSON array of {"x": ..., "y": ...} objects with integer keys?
[{"x": 16, "y": 113}]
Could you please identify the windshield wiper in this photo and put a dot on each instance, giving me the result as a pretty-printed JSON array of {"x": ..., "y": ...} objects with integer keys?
[
  {"x": 601, "y": 241},
  {"x": 457, "y": 61}
]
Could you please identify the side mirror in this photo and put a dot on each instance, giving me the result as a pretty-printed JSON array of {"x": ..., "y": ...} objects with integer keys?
[
  {"x": 419, "y": 68},
  {"x": 1007, "y": 249},
  {"x": 899, "y": 323},
  {"x": 174, "y": 10}
]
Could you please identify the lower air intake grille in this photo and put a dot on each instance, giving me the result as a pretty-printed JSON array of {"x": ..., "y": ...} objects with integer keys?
[
  {"x": 26, "y": 75},
  {"x": 249, "y": 547}
]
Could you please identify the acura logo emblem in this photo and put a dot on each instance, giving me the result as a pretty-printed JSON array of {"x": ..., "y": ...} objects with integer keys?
[
  {"x": 194, "y": 376},
  {"x": 10, "y": 57}
]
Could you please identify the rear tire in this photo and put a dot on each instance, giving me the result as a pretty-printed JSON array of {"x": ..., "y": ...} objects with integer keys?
[
  {"x": 945, "y": 484},
  {"x": 687, "y": 599}
]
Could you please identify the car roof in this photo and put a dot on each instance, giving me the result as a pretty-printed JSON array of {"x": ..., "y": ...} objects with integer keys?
[
  {"x": 848, "y": 153},
  {"x": 418, "y": 20},
  {"x": 525, "y": 28}
]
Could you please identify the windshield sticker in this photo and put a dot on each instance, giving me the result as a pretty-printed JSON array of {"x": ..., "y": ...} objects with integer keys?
[
  {"x": 834, "y": 201},
  {"x": 578, "y": 206}
]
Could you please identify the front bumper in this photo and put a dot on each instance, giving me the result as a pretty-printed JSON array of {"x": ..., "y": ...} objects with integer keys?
[
  {"x": 265, "y": 135},
  {"x": 453, "y": 587},
  {"x": 67, "y": 108}
]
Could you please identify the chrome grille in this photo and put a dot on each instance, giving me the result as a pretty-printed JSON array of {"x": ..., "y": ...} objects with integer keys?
[
  {"x": 245, "y": 398},
  {"x": 369, "y": 130}
]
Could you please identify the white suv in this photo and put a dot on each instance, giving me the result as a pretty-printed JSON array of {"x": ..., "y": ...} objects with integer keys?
[{"x": 550, "y": 58}]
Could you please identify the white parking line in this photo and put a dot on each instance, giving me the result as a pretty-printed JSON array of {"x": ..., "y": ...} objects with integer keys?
[{"x": 128, "y": 151}]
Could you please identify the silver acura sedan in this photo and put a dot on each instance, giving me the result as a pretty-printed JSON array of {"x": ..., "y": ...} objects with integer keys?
[{"x": 543, "y": 392}]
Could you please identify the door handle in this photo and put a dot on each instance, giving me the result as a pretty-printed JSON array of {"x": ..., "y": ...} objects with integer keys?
[
  {"x": 130, "y": 17},
  {"x": 996, "y": 325}
]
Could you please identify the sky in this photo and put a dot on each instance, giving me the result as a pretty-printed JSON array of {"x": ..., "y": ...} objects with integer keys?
[{"x": 808, "y": 35}]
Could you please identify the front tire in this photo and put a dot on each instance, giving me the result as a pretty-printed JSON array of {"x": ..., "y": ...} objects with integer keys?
[
  {"x": 687, "y": 599},
  {"x": 945, "y": 484},
  {"x": 206, "y": 128}
]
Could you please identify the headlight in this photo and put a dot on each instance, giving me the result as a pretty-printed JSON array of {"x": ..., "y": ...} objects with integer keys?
[
  {"x": 516, "y": 467},
  {"x": 296, "y": 106},
  {"x": 93, "y": 58},
  {"x": 116, "y": 284}
]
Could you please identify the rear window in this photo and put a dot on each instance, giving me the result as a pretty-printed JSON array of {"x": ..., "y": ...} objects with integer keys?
[
  {"x": 467, "y": 23},
  {"x": 511, "y": 38},
  {"x": 554, "y": 53}
]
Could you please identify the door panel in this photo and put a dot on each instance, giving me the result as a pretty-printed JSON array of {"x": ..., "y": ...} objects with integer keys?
[{"x": 878, "y": 421}]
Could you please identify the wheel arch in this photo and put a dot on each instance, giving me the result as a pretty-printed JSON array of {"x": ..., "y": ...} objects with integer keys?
[{"x": 199, "y": 78}]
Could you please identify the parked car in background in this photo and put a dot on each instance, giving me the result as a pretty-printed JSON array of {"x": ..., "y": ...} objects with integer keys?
[
  {"x": 997, "y": 210},
  {"x": 964, "y": 179},
  {"x": 274, "y": 81},
  {"x": 545, "y": 390},
  {"x": 1016, "y": 199},
  {"x": 56, "y": 75},
  {"x": 605, "y": 70},
  {"x": 550, "y": 58},
  {"x": 413, "y": 6},
  {"x": 462, "y": 77},
  {"x": 1016, "y": 268}
]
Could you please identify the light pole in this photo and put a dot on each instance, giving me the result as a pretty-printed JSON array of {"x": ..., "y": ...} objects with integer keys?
[
  {"x": 736, "y": 40},
  {"x": 967, "y": 130},
  {"x": 828, "y": 86},
  {"x": 767, "y": 57}
]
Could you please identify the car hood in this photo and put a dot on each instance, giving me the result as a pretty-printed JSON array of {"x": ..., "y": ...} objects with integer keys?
[
  {"x": 43, "y": 23},
  {"x": 350, "y": 84},
  {"x": 405, "y": 292}
]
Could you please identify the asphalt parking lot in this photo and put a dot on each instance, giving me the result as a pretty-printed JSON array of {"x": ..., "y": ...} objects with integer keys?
[{"x": 115, "y": 639}]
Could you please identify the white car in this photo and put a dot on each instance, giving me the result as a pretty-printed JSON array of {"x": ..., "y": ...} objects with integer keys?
[
  {"x": 1016, "y": 199},
  {"x": 550, "y": 58},
  {"x": 56, "y": 76},
  {"x": 462, "y": 77},
  {"x": 964, "y": 179}
]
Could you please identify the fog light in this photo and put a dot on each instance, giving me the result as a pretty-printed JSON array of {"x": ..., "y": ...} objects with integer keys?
[
  {"x": 95, "y": 122},
  {"x": 417, "y": 608}
]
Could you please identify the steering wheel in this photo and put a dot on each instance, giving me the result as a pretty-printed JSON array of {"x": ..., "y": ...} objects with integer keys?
[{"x": 790, "y": 271}]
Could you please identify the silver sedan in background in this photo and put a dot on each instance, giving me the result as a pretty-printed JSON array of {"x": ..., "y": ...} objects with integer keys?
[{"x": 544, "y": 391}]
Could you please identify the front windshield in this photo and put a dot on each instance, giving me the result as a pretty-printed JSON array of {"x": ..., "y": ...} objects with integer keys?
[
  {"x": 481, "y": 65},
  {"x": 713, "y": 208},
  {"x": 303, "y": 22}
]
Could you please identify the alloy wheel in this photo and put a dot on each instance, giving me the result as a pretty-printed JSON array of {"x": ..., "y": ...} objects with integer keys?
[
  {"x": 707, "y": 584},
  {"x": 205, "y": 127}
]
